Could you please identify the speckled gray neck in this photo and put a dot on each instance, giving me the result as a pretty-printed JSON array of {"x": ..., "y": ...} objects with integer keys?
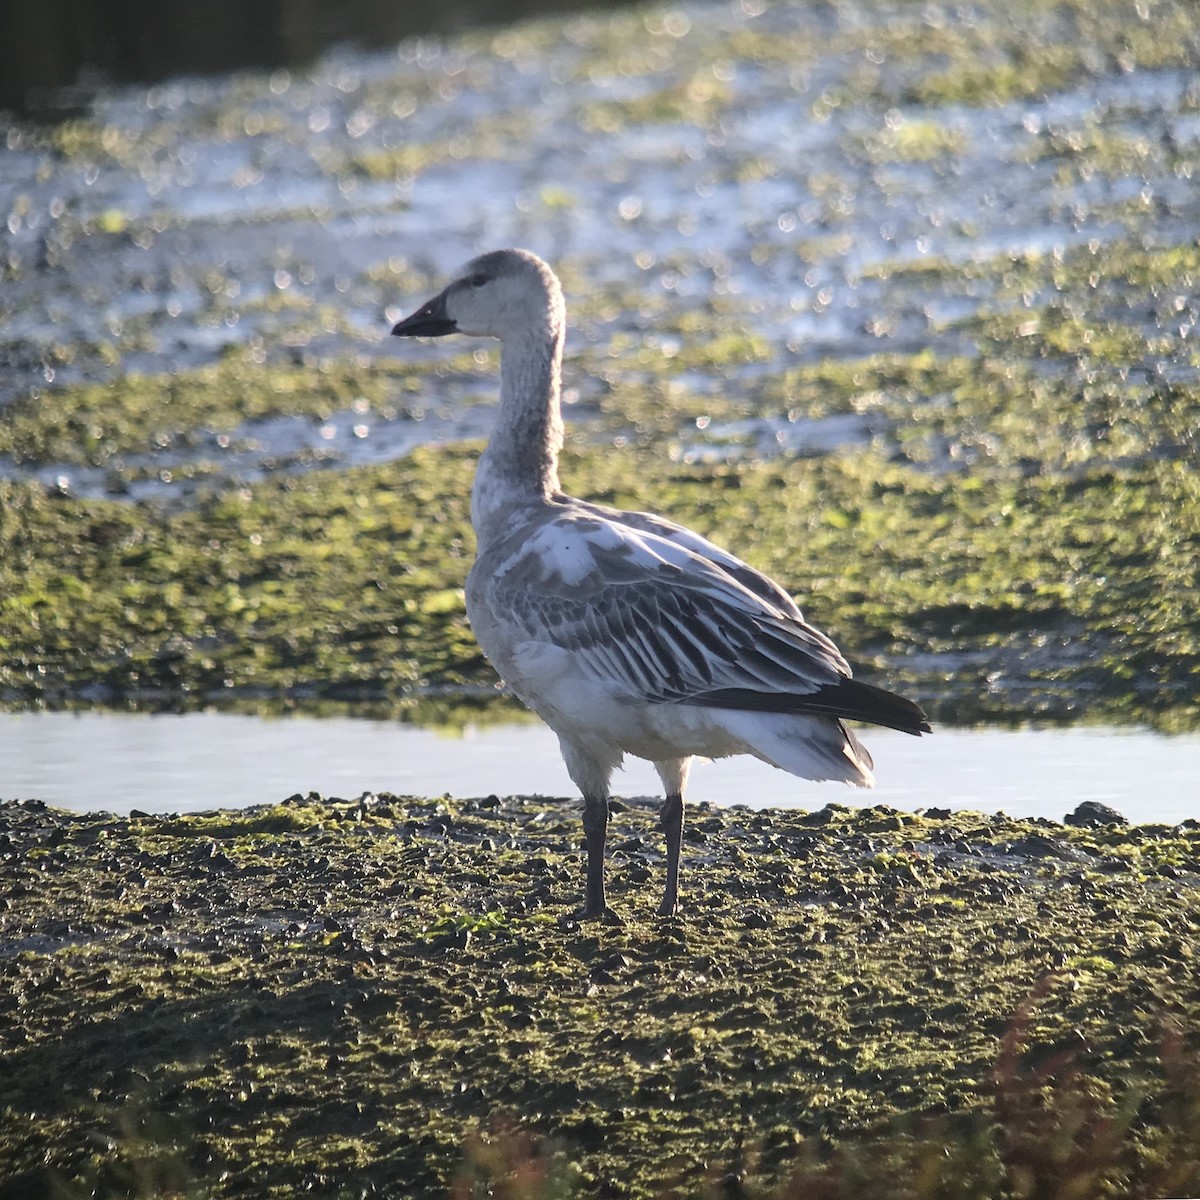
[{"x": 520, "y": 463}]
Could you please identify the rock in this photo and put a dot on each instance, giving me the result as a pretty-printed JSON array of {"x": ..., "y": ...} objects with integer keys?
[{"x": 1091, "y": 815}]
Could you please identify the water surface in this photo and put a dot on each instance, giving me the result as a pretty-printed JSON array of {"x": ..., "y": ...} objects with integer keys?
[{"x": 115, "y": 762}]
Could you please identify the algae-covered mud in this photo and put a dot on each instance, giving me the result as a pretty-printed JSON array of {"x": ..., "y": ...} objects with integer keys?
[
  {"x": 899, "y": 301},
  {"x": 1062, "y": 595},
  {"x": 388, "y": 996}
]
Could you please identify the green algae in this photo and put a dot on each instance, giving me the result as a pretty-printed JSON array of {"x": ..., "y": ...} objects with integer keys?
[
  {"x": 494, "y": 136},
  {"x": 93, "y": 424},
  {"x": 913, "y": 141},
  {"x": 997, "y": 62},
  {"x": 225, "y": 596},
  {"x": 1117, "y": 312},
  {"x": 1035, "y": 526},
  {"x": 905, "y": 52},
  {"x": 1039, "y": 530},
  {"x": 698, "y": 101},
  {"x": 334, "y": 996},
  {"x": 1119, "y": 273}
]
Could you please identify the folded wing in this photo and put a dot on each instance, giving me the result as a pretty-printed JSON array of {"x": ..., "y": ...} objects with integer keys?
[{"x": 656, "y": 619}]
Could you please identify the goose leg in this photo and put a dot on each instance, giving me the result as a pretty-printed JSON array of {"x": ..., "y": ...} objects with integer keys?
[
  {"x": 595, "y": 827},
  {"x": 591, "y": 767},
  {"x": 671, "y": 819}
]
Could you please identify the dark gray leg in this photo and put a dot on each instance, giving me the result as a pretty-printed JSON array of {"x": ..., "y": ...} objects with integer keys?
[
  {"x": 671, "y": 819},
  {"x": 595, "y": 827}
]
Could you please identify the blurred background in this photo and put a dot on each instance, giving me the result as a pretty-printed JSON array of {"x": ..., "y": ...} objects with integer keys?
[{"x": 50, "y": 47}]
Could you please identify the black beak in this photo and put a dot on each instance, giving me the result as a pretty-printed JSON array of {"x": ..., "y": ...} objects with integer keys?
[{"x": 429, "y": 320}]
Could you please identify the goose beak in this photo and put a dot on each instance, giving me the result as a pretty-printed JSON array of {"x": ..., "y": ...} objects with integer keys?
[{"x": 430, "y": 320}]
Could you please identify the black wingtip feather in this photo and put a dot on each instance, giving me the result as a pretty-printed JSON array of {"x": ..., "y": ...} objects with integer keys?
[
  {"x": 877, "y": 706},
  {"x": 848, "y": 698}
]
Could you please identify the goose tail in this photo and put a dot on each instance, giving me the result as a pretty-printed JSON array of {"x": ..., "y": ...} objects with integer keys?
[{"x": 819, "y": 748}]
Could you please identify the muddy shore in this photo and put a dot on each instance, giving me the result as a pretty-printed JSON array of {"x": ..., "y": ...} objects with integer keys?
[{"x": 386, "y": 996}]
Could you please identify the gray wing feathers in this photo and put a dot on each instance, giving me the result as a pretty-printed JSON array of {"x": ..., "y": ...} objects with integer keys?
[
  {"x": 657, "y": 614},
  {"x": 668, "y": 637},
  {"x": 753, "y": 581}
]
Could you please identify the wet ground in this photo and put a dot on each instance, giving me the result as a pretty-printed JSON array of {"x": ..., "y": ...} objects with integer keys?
[
  {"x": 783, "y": 231},
  {"x": 376, "y": 998},
  {"x": 782, "y": 177}
]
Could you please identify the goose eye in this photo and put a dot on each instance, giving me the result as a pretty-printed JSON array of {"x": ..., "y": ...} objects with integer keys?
[{"x": 477, "y": 281}]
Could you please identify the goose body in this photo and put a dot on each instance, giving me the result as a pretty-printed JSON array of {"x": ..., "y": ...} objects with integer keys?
[{"x": 624, "y": 632}]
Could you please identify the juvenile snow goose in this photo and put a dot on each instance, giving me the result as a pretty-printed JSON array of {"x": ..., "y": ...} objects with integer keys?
[{"x": 625, "y": 633}]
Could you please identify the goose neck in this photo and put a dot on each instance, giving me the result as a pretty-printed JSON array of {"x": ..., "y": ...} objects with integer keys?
[{"x": 520, "y": 464}]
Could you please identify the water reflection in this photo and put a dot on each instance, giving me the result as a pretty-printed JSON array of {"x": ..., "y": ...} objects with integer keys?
[{"x": 104, "y": 761}]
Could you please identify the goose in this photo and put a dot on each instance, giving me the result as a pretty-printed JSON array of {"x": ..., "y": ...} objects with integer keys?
[{"x": 624, "y": 632}]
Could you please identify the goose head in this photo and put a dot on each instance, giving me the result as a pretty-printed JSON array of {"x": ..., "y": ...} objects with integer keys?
[{"x": 507, "y": 294}]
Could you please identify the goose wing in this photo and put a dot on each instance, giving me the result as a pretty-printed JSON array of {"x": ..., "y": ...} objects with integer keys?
[
  {"x": 753, "y": 580},
  {"x": 660, "y": 622}
]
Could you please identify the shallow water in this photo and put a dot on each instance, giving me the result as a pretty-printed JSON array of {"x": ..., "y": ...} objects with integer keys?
[
  {"x": 104, "y": 761},
  {"x": 197, "y": 216}
]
